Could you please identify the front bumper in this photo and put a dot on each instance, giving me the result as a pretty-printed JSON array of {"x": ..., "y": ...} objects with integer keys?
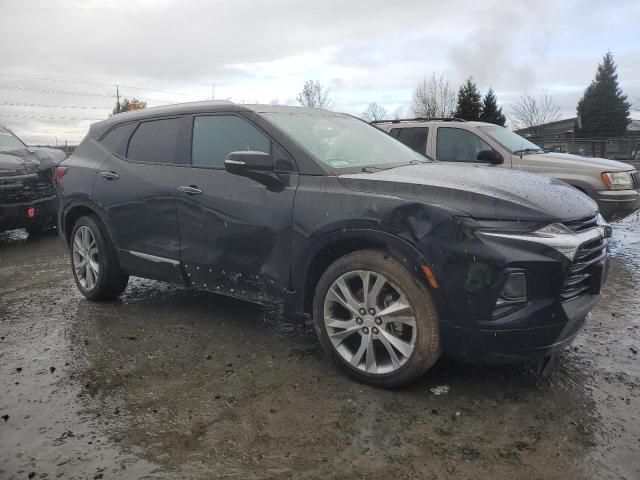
[
  {"x": 617, "y": 204},
  {"x": 504, "y": 344},
  {"x": 16, "y": 215},
  {"x": 562, "y": 286}
]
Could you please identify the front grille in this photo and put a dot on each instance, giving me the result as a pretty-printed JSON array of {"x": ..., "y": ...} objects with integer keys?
[
  {"x": 26, "y": 188},
  {"x": 582, "y": 224},
  {"x": 585, "y": 270},
  {"x": 635, "y": 178}
]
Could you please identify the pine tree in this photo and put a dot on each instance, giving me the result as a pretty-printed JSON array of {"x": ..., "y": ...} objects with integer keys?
[
  {"x": 604, "y": 109},
  {"x": 469, "y": 101},
  {"x": 491, "y": 113}
]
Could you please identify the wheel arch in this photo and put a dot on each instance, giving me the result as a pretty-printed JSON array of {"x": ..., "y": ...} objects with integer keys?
[
  {"x": 73, "y": 211},
  {"x": 333, "y": 246}
]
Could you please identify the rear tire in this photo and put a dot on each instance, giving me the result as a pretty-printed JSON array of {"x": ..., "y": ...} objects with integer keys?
[
  {"x": 396, "y": 339},
  {"x": 94, "y": 261}
]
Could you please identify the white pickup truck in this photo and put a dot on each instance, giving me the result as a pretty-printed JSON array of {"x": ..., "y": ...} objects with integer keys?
[{"x": 613, "y": 185}]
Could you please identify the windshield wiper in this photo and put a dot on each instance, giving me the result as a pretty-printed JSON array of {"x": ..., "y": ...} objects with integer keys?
[
  {"x": 527, "y": 150},
  {"x": 373, "y": 169}
]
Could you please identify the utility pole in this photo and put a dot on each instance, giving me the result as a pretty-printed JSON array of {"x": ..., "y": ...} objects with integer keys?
[{"x": 117, "y": 99}]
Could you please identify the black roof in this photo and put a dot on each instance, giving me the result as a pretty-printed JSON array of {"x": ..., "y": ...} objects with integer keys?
[{"x": 209, "y": 106}]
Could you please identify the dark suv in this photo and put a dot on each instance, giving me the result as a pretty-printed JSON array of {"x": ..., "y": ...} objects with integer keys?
[
  {"x": 397, "y": 258},
  {"x": 27, "y": 186}
]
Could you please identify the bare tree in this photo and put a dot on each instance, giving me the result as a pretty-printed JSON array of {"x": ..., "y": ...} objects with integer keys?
[
  {"x": 433, "y": 98},
  {"x": 314, "y": 95},
  {"x": 398, "y": 113},
  {"x": 374, "y": 112},
  {"x": 533, "y": 113}
]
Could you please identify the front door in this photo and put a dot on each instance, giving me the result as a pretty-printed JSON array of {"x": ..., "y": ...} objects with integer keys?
[
  {"x": 235, "y": 233},
  {"x": 461, "y": 145}
]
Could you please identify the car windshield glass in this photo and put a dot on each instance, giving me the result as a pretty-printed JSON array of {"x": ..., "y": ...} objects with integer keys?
[
  {"x": 9, "y": 141},
  {"x": 510, "y": 140},
  {"x": 342, "y": 142}
]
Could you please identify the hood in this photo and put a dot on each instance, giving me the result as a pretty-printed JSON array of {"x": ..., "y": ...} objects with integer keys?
[
  {"x": 598, "y": 165},
  {"x": 482, "y": 192},
  {"x": 20, "y": 161}
]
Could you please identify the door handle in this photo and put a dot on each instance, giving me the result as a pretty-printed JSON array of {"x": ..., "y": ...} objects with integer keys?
[
  {"x": 109, "y": 175},
  {"x": 190, "y": 190}
]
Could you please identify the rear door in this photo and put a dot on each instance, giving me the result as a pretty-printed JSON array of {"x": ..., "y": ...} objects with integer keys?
[
  {"x": 235, "y": 232},
  {"x": 136, "y": 186},
  {"x": 413, "y": 137}
]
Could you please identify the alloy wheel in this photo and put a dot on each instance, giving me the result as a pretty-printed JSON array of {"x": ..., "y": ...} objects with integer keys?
[
  {"x": 85, "y": 257},
  {"x": 370, "y": 322}
]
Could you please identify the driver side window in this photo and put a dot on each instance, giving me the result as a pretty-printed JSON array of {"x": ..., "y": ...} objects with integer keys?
[
  {"x": 215, "y": 136},
  {"x": 458, "y": 145}
]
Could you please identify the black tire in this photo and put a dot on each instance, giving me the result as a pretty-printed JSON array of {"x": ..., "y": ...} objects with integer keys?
[
  {"x": 426, "y": 350},
  {"x": 111, "y": 280}
]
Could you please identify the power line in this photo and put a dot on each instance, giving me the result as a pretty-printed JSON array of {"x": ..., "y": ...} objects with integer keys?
[
  {"x": 82, "y": 82},
  {"x": 70, "y": 92},
  {"x": 61, "y": 92},
  {"x": 38, "y": 117},
  {"x": 43, "y": 105}
]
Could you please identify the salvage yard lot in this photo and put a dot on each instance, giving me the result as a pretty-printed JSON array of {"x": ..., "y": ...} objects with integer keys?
[{"x": 172, "y": 383}]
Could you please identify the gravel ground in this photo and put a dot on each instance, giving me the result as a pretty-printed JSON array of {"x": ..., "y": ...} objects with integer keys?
[{"x": 173, "y": 383}]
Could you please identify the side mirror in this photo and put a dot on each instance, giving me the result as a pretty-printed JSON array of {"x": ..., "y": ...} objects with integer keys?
[
  {"x": 490, "y": 156},
  {"x": 246, "y": 161}
]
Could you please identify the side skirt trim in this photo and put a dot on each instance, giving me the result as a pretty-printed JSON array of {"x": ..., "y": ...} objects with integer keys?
[{"x": 153, "y": 258}]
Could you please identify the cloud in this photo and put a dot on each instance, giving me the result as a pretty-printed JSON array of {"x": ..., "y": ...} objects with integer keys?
[{"x": 364, "y": 50}]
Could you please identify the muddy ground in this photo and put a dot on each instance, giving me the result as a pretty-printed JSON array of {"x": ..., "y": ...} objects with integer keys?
[{"x": 171, "y": 383}]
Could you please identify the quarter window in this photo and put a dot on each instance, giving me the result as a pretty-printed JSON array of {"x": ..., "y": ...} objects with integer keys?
[
  {"x": 215, "y": 136},
  {"x": 414, "y": 138},
  {"x": 157, "y": 141},
  {"x": 116, "y": 140},
  {"x": 458, "y": 145}
]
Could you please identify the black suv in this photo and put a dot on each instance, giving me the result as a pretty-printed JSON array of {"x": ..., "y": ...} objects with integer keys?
[
  {"x": 27, "y": 186},
  {"x": 397, "y": 258}
]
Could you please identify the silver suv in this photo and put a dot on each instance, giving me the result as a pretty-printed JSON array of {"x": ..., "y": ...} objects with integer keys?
[{"x": 613, "y": 185}]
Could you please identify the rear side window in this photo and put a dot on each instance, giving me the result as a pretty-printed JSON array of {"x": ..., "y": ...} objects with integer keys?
[
  {"x": 458, "y": 145},
  {"x": 414, "y": 138},
  {"x": 157, "y": 141},
  {"x": 214, "y": 137},
  {"x": 116, "y": 140}
]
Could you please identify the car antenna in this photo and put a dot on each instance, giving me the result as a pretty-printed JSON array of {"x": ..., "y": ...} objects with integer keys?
[{"x": 521, "y": 147}]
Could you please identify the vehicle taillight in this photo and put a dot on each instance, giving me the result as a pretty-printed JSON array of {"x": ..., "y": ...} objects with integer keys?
[{"x": 60, "y": 171}]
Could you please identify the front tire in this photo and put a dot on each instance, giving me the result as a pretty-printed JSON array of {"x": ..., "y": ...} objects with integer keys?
[
  {"x": 94, "y": 261},
  {"x": 375, "y": 320}
]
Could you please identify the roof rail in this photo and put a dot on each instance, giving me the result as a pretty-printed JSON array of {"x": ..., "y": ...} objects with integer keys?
[{"x": 420, "y": 119}]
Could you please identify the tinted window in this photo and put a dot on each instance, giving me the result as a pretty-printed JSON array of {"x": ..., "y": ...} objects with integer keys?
[
  {"x": 415, "y": 138},
  {"x": 214, "y": 137},
  {"x": 457, "y": 145},
  {"x": 116, "y": 140},
  {"x": 156, "y": 141}
]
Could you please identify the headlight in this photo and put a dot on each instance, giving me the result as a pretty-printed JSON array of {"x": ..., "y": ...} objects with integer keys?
[
  {"x": 617, "y": 180},
  {"x": 557, "y": 236}
]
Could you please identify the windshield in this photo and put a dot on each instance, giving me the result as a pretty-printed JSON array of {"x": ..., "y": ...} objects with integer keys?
[
  {"x": 9, "y": 141},
  {"x": 342, "y": 142},
  {"x": 510, "y": 140}
]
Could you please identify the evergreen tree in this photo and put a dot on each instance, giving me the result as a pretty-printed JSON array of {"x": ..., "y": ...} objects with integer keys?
[
  {"x": 491, "y": 113},
  {"x": 469, "y": 101},
  {"x": 604, "y": 109}
]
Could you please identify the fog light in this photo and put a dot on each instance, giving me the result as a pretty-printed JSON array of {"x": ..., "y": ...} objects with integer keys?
[
  {"x": 513, "y": 295},
  {"x": 515, "y": 288}
]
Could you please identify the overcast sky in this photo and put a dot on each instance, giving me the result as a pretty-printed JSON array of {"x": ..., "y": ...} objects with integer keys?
[{"x": 364, "y": 51}]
